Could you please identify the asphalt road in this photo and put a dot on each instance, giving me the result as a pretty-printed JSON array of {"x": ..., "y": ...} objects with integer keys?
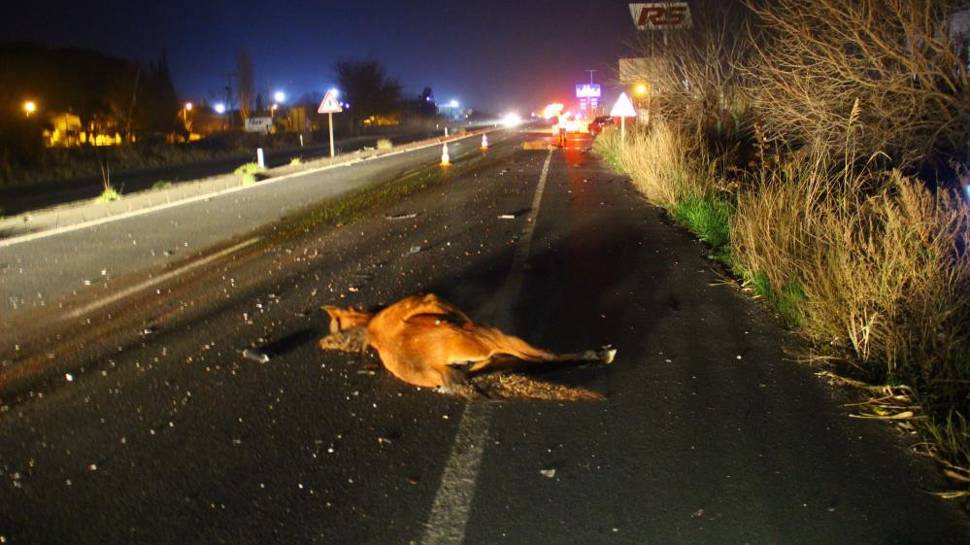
[
  {"x": 143, "y": 423},
  {"x": 41, "y": 273}
]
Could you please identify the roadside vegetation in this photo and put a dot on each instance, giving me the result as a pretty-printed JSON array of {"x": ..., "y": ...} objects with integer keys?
[
  {"x": 249, "y": 173},
  {"x": 820, "y": 155}
]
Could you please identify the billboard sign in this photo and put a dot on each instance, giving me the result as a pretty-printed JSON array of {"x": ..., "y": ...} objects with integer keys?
[
  {"x": 259, "y": 124},
  {"x": 661, "y": 16},
  {"x": 587, "y": 90}
]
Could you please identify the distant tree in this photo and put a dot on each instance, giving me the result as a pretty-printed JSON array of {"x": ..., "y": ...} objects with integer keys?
[
  {"x": 368, "y": 89},
  {"x": 260, "y": 107},
  {"x": 246, "y": 90},
  {"x": 421, "y": 107},
  {"x": 159, "y": 104},
  {"x": 122, "y": 96},
  {"x": 426, "y": 106}
]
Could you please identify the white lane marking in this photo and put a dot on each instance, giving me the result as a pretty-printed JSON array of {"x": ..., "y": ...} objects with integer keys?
[
  {"x": 189, "y": 200},
  {"x": 157, "y": 280},
  {"x": 453, "y": 500}
]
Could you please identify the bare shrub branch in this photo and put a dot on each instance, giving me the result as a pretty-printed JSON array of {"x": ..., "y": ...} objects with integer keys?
[{"x": 895, "y": 57}]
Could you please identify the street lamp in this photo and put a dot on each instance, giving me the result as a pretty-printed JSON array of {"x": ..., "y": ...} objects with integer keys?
[
  {"x": 640, "y": 89},
  {"x": 186, "y": 108},
  {"x": 29, "y": 107},
  {"x": 279, "y": 96},
  {"x": 220, "y": 108}
]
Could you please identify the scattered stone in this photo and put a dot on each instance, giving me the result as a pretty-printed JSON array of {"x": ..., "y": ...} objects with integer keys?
[
  {"x": 697, "y": 514},
  {"x": 548, "y": 473},
  {"x": 256, "y": 356},
  {"x": 410, "y": 216},
  {"x": 507, "y": 217}
]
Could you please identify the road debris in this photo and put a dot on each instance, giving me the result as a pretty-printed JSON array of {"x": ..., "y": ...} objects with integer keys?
[
  {"x": 256, "y": 356},
  {"x": 410, "y": 216},
  {"x": 548, "y": 473},
  {"x": 414, "y": 249},
  {"x": 506, "y": 217}
]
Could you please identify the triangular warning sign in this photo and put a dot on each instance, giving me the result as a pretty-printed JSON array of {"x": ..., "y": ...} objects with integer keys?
[
  {"x": 623, "y": 107},
  {"x": 330, "y": 104}
]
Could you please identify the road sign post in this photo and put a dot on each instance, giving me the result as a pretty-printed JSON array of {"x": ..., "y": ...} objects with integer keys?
[
  {"x": 330, "y": 125},
  {"x": 330, "y": 105}
]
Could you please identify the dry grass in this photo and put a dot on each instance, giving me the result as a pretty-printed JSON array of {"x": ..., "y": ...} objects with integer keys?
[
  {"x": 879, "y": 258},
  {"x": 656, "y": 162},
  {"x": 869, "y": 264}
]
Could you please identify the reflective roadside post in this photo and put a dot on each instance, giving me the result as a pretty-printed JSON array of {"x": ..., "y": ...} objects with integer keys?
[{"x": 623, "y": 109}]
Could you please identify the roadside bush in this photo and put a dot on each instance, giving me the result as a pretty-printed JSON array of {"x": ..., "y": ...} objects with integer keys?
[
  {"x": 249, "y": 172},
  {"x": 892, "y": 60},
  {"x": 607, "y": 146},
  {"x": 656, "y": 161},
  {"x": 869, "y": 261},
  {"x": 109, "y": 194},
  {"x": 871, "y": 265},
  {"x": 664, "y": 173}
]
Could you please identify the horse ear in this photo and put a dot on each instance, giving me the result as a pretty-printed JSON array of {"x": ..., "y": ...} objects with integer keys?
[{"x": 334, "y": 314}]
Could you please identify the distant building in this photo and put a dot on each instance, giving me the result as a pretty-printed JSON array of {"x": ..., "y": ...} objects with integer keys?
[{"x": 66, "y": 130}]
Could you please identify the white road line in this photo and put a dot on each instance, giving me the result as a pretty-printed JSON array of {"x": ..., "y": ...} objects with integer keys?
[
  {"x": 188, "y": 200},
  {"x": 452, "y": 503},
  {"x": 157, "y": 280}
]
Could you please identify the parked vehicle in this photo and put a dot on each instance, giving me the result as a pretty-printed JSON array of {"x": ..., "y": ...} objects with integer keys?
[{"x": 596, "y": 126}]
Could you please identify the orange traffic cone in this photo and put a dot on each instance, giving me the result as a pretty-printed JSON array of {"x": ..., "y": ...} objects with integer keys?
[
  {"x": 445, "y": 160},
  {"x": 484, "y": 142}
]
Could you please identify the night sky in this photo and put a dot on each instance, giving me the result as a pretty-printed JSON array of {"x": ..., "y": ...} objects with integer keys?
[{"x": 491, "y": 55}]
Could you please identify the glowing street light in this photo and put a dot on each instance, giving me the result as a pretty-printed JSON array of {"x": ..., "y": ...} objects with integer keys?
[
  {"x": 29, "y": 107},
  {"x": 511, "y": 120},
  {"x": 279, "y": 96},
  {"x": 640, "y": 89},
  {"x": 220, "y": 108},
  {"x": 453, "y": 104},
  {"x": 186, "y": 108}
]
